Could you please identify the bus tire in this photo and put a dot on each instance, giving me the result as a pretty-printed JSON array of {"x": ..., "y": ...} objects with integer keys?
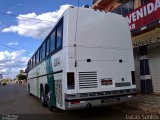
[
  {"x": 48, "y": 100},
  {"x": 53, "y": 109},
  {"x": 42, "y": 97}
]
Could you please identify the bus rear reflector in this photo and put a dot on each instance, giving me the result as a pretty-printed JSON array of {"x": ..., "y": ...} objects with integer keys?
[
  {"x": 75, "y": 102},
  {"x": 106, "y": 82}
]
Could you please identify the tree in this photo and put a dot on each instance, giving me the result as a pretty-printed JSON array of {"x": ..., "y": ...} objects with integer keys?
[{"x": 21, "y": 77}]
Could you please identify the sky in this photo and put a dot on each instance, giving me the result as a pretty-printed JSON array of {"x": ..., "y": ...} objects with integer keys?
[{"x": 23, "y": 26}]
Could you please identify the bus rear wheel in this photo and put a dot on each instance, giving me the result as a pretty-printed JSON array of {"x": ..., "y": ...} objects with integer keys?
[
  {"x": 53, "y": 109},
  {"x": 42, "y": 98},
  {"x": 48, "y": 100}
]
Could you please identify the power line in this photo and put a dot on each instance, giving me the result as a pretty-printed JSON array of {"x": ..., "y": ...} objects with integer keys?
[
  {"x": 35, "y": 29},
  {"x": 8, "y": 47},
  {"x": 13, "y": 15},
  {"x": 25, "y": 52},
  {"x": 33, "y": 19},
  {"x": 44, "y": 31}
]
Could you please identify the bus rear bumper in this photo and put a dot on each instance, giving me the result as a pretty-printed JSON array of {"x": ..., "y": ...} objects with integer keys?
[{"x": 89, "y": 103}]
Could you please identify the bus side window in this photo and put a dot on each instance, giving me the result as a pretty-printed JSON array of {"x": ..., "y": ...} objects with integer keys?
[
  {"x": 47, "y": 46},
  {"x": 28, "y": 65},
  {"x": 59, "y": 36},
  {"x": 52, "y": 42},
  {"x": 44, "y": 50},
  {"x": 33, "y": 60},
  {"x": 31, "y": 63},
  {"x": 37, "y": 57},
  {"x": 40, "y": 54}
]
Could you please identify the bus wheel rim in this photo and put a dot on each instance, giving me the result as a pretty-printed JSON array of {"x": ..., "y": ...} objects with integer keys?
[{"x": 42, "y": 97}]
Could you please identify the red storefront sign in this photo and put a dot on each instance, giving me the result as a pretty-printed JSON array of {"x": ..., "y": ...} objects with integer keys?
[{"x": 144, "y": 15}]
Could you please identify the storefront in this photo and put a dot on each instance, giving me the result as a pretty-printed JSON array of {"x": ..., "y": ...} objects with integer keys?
[
  {"x": 144, "y": 22},
  {"x": 147, "y": 65}
]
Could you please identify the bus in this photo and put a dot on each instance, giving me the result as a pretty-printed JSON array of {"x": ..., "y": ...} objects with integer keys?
[{"x": 85, "y": 61}]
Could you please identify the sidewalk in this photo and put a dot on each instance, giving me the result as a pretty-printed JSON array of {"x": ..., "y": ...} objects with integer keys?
[{"x": 146, "y": 103}]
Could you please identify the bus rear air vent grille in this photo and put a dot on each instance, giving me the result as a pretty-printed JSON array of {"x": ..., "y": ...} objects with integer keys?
[{"x": 88, "y": 80}]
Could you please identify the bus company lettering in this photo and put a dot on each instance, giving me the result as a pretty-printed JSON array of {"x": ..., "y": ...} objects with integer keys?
[
  {"x": 144, "y": 14},
  {"x": 57, "y": 62}
]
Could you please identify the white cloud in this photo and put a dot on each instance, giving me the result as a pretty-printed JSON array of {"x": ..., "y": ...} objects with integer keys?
[
  {"x": 36, "y": 26},
  {"x": 12, "y": 43},
  {"x": 12, "y": 62},
  {"x": 9, "y": 12},
  {"x": 4, "y": 55},
  {"x": 3, "y": 70}
]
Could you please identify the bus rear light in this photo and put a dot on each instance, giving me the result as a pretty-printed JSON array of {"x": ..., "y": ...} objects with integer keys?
[
  {"x": 75, "y": 102},
  {"x": 70, "y": 80},
  {"x": 107, "y": 81}
]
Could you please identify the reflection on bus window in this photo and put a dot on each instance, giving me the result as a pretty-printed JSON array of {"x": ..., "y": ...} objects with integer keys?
[
  {"x": 59, "y": 36},
  {"x": 52, "y": 42}
]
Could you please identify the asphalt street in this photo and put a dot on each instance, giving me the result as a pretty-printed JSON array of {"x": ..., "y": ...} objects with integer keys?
[{"x": 15, "y": 102}]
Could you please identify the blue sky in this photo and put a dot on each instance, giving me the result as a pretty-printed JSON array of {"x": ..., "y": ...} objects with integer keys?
[{"x": 21, "y": 36}]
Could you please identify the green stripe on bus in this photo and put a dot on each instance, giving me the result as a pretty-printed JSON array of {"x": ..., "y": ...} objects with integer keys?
[{"x": 51, "y": 82}]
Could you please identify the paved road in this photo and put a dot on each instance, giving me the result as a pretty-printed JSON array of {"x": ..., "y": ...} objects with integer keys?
[{"x": 15, "y": 100}]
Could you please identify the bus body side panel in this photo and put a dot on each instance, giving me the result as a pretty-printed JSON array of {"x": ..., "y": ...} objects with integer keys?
[
  {"x": 58, "y": 65},
  {"x": 52, "y": 72},
  {"x": 33, "y": 86},
  {"x": 36, "y": 78},
  {"x": 70, "y": 31},
  {"x": 51, "y": 81},
  {"x": 49, "y": 72}
]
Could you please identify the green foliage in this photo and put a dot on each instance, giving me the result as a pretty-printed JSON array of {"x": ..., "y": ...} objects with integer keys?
[
  {"x": 21, "y": 77},
  {"x": 5, "y": 80}
]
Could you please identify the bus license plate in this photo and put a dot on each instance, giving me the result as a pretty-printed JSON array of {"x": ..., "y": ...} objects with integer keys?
[{"x": 109, "y": 100}]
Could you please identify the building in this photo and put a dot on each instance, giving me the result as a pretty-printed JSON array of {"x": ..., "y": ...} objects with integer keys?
[
  {"x": 144, "y": 21},
  {"x": 21, "y": 72}
]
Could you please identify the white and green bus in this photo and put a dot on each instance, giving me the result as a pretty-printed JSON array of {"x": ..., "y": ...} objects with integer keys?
[{"x": 85, "y": 61}]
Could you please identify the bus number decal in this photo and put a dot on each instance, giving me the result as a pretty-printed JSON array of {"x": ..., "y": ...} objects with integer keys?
[{"x": 56, "y": 62}]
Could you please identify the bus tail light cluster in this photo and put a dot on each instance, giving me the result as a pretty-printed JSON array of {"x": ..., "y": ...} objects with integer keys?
[
  {"x": 70, "y": 80},
  {"x": 75, "y": 102},
  {"x": 106, "y": 81}
]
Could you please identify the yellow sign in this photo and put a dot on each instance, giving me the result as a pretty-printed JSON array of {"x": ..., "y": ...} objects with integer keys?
[{"x": 147, "y": 38}]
